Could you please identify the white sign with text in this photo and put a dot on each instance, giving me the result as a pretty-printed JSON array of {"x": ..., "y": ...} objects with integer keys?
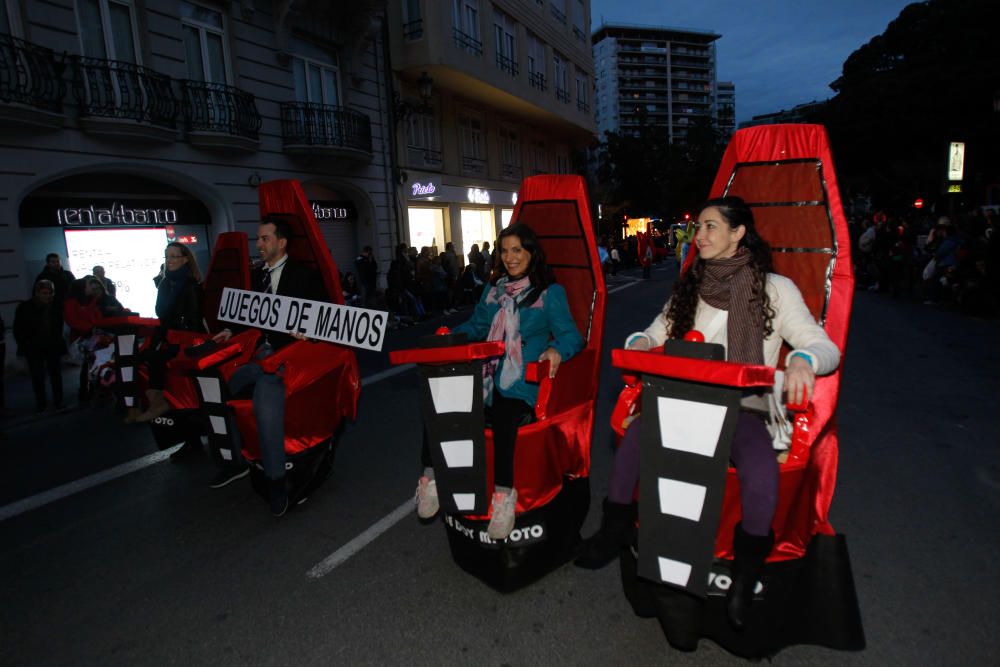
[{"x": 319, "y": 320}]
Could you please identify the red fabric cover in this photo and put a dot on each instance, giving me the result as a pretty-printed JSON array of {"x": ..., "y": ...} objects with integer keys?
[
  {"x": 454, "y": 354},
  {"x": 322, "y": 382},
  {"x": 81, "y": 318},
  {"x": 725, "y": 373},
  {"x": 229, "y": 267},
  {"x": 557, "y": 209}
]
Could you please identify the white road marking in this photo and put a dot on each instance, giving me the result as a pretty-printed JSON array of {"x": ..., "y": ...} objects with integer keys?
[
  {"x": 58, "y": 493},
  {"x": 619, "y": 288},
  {"x": 341, "y": 555}
]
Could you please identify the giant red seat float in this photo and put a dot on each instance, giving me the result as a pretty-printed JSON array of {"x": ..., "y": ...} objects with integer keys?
[
  {"x": 552, "y": 455},
  {"x": 229, "y": 267},
  {"x": 785, "y": 173},
  {"x": 321, "y": 379}
]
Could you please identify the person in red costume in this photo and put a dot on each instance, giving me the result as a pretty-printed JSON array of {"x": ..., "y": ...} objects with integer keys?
[{"x": 732, "y": 296}]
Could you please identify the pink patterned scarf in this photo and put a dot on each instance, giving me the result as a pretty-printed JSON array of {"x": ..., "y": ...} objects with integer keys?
[{"x": 506, "y": 327}]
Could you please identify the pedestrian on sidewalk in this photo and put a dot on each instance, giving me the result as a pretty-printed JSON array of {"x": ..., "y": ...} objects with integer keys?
[{"x": 38, "y": 325}]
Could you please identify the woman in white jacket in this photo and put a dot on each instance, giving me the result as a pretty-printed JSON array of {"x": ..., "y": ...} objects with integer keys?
[{"x": 731, "y": 295}]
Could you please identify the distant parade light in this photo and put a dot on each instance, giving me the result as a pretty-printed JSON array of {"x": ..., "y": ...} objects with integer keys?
[{"x": 918, "y": 203}]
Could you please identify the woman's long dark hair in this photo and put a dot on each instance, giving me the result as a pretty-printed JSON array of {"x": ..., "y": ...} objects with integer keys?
[
  {"x": 684, "y": 298},
  {"x": 538, "y": 271}
]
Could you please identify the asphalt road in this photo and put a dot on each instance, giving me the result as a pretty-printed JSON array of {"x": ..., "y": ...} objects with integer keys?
[{"x": 156, "y": 568}]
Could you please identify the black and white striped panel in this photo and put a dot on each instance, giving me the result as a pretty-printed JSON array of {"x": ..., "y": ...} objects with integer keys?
[
  {"x": 213, "y": 394},
  {"x": 685, "y": 437},
  {"x": 452, "y": 404},
  {"x": 125, "y": 360}
]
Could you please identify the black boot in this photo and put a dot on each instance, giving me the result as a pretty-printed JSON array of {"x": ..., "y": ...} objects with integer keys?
[
  {"x": 749, "y": 552},
  {"x": 277, "y": 496},
  {"x": 617, "y": 528},
  {"x": 189, "y": 451}
]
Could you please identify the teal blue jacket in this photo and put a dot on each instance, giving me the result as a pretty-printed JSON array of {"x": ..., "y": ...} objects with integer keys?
[{"x": 546, "y": 323}]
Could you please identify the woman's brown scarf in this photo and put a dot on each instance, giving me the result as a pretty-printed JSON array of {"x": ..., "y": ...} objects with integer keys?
[{"x": 728, "y": 285}]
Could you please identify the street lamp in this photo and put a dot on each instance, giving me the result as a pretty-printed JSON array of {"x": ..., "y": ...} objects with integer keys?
[{"x": 403, "y": 108}]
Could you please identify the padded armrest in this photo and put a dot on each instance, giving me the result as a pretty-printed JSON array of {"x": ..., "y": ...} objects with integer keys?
[
  {"x": 724, "y": 373},
  {"x": 447, "y": 355},
  {"x": 538, "y": 372},
  {"x": 133, "y": 321},
  {"x": 802, "y": 417},
  {"x": 245, "y": 340}
]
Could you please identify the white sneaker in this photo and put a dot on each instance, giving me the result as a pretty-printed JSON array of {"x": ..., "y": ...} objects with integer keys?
[
  {"x": 427, "y": 498},
  {"x": 502, "y": 521}
]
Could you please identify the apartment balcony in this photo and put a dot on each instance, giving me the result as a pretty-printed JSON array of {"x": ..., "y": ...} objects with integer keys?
[
  {"x": 507, "y": 65},
  {"x": 562, "y": 95},
  {"x": 537, "y": 80},
  {"x": 220, "y": 116},
  {"x": 472, "y": 166},
  {"x": 31, "y": 84},
  {"x": 511, "y": 172},
  {"x": 582, "y": 106},
  {"x": 466, "y": 41},
  {"x": 413, "y": 30},
  {"x": 321, "y": 129},
  {"x": 423, "y": 158},
  {"x": 121, "y": 99},
  {"x": 558, "y": 14}
]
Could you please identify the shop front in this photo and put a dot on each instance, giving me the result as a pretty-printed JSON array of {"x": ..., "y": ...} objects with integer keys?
[
  {"x": 463, "y": 214},
  {"x": 118, "y": 221},
  {"x": 339, "y": 217}
]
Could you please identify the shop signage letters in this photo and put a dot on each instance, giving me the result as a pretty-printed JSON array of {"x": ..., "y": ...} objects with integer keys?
[
  {"x": 333, "y": 210},
  {"x": 335, "y": 323},
  {"x": 477, "y": 196},
  {"x": 116, "y": 214},
  {"x": 421, "y": 189}
]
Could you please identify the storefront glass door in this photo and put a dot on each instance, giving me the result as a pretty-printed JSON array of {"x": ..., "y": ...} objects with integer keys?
[
  {"x": 426, "y": 227},
  {"x": 477, "y": 226}
]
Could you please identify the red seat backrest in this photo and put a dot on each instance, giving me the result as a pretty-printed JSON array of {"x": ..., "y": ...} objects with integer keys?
[
  {"x": 308, "y": 246},
  {"x": 229, "y": 267}
]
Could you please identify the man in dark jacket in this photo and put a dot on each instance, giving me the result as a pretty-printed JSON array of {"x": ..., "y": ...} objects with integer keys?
[
  {"x": 38, "y": 325},
  {"x": 61, "y": 278},
  {"x": 367, "y": 270},
  {"x": 277, "y": 275}
]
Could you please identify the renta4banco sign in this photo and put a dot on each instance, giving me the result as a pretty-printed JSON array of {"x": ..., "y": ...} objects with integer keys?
[{"x": 346, "y": 325}]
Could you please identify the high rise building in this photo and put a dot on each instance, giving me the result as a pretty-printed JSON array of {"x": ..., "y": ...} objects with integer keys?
[
  {"x": 487, "y": 93},
  {"x": 648, "y": 75},
  {"x": 725, "y": 107}
]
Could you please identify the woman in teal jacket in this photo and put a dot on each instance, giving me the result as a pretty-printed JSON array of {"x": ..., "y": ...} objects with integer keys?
[{"x": 526, "y": 310}]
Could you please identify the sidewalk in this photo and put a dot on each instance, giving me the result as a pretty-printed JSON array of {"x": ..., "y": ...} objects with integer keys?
[{"x": 19, "y": 408}]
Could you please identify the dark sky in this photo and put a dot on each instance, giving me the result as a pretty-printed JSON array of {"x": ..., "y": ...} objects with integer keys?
[{"x": 779, "y": 53}]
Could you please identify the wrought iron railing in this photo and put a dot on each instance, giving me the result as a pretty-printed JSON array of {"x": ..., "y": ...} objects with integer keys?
[
  {"x": 413, "y": 29},
  {"x": 507, "y": 65},
  {"x": 511, "y": 172},
  {"x": 29, "y": 74},
  {"x": 217, "y": 107},
  {"x": 562, "y": 95},
  {"x": 582, "y": 106},
  {"x": 537, "y": 80},
  {"x": 558, "y": 14},
  {"x": 424, "y": 157},
  {"x": 311, "y": 124},
  {"x": 467, "y": 42},
  {"x": 578, "y": 33},
  {"x": 114, "y": 89},
  {"x": 473, "y": 166}
]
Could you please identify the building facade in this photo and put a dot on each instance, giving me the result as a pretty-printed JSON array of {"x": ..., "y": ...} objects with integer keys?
[
  {"x": 125, "y": 123},
  {"x": 801, "y": 113},
  {"x": 725, "y": 105},
  {"x": 649, "y": 75},
  {"x": 488, "y": 93}
]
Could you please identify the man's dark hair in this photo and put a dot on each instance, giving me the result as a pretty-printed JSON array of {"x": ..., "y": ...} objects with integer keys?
[
  {"x": 282, "y": 225},
  {"x": 51, "y": 255}
]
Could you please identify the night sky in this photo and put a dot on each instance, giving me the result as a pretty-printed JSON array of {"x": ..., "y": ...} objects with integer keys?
[{"x": 779, "y": 53}]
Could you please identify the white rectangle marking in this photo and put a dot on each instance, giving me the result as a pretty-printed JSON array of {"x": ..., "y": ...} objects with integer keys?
[
  {"x": 127, "y": 373},
  {"x": 227, "y": 454},
  {"x": 452, "y": 393},
  {"x": 690, "y": 426},
  {"x": 211, "y": 392},
  {"x": 681, "y": 498},
  {"x": 218, "y": 424},
  {"x": 457, "y": 453},
  {"x": 674, "y": 571},
  {"x": 464, "y": 501},
  {"x": 126, "y": 344},
  {"x": 129, "y": 402}
]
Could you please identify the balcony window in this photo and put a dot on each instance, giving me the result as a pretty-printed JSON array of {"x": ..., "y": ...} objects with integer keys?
[
  {"x": 504, "y": 30},
  {"x": 579, "y": 20},
  {"x": 510, "y": 153},
  {"x": 582, "y": 91},
  {"x": 413, "y": 22},
  {"x": 538, "y": 158},
  {"x": 472, "y": 141},
  {"x": 423, "y": 141},
  {"x": 558, "y": 10},
  {"x": 310, "y": 127},
  {"x": 561, "y": 77},
  {"x": 465, "y": 19},
  {"x": 108, "y": 30},
  {"x": 536, "y": 62},
  {"x": 204, "y": 43},
  {"x": 315, "y": 73}
]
